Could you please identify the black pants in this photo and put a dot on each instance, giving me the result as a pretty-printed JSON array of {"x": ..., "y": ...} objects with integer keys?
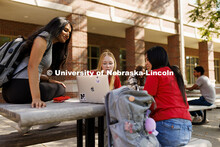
[{"x": 17, "y": 91}]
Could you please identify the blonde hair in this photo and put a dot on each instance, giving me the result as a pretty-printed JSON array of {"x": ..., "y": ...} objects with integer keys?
[{"x": 102, "y": 56}]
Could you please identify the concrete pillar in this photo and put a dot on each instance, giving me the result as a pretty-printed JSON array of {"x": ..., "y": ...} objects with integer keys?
[
  {"x": 77, "y": 58},
  {"x": 206, "y": 59},
  {"x": 174, "y": 53},
  {"x": 135, "y": 47}
]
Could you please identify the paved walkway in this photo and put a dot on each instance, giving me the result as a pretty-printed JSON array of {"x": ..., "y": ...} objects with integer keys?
[
  {"x": 8, "y": 126},
  {"x": 211, "y": 130}
]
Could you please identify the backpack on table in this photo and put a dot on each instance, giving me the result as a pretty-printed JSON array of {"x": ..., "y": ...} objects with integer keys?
[{"x": 126, "y": 114}]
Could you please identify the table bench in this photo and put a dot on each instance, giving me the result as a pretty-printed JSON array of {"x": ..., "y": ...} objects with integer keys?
[
  {"x": 26, "y": 116},
  {"x": 196, "y": 142},
  {"x": 202, "y": 108}
]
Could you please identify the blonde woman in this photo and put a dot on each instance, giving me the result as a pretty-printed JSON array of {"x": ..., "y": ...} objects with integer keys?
[{"x": 107, "y": 63}]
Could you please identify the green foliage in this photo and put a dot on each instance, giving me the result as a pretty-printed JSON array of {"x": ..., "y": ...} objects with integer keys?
[{"x": 207, "y": 11}]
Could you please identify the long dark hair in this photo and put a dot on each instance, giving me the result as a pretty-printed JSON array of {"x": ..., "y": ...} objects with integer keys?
[
  {"x": 59, "y": 50},
  {"x": 158, "y": 58}
]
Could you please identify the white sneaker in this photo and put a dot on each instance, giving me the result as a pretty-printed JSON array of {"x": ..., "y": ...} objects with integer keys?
[
  {"x": 206, "y": 121},
  {"x": 197, "y": 119},
  {"x": 48, "y": 126}
]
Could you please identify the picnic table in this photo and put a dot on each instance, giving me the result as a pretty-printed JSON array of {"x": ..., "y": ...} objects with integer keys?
[{"x": 26, "y": 116}]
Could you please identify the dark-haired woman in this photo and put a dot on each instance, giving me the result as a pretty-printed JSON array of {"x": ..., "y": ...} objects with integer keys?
[
  {"x": 46, "y": 48},
  {"x": 171, "y": 113}
]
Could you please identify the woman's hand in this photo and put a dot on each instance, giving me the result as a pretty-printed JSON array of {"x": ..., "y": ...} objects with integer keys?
[
  {"x": 58, "y": 82},
  {"x": 37, "y": 103}
]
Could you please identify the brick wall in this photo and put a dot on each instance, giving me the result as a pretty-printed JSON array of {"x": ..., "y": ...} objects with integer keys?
[
  {"x": 149, "y": 45},
  {"x": 191, "y": 52},
  {"x": 217, "y": 55},
  {"x": 17, "y": 28}
]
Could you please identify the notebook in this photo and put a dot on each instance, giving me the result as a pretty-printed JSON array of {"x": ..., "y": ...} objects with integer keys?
[{"x": 92, "y": 89}]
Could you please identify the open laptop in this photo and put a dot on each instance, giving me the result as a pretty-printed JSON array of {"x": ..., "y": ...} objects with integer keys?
[{"x": 92, "y": 89}]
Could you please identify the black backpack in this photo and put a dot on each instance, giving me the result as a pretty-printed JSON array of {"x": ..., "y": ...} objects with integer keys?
[{"x": 9, "y": 53}]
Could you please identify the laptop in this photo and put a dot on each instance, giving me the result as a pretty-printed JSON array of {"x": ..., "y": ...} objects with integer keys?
[{"x": 92, "y": 89}]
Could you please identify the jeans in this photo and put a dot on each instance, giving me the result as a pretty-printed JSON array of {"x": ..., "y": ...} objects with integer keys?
[
  {"x": 200, "y": 101},
  {"x": 174, "y": 132}
]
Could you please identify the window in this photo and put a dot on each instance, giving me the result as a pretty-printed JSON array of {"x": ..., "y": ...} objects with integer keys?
[
  {"x": 218, "y": 5},
  {"x": 93, "y": 57},
  {"x": 191, "y": 63},
  {"x": 194, "y": 2},
  {"x": 217, "y": 71},
  {"x": 122, "y": 57}
]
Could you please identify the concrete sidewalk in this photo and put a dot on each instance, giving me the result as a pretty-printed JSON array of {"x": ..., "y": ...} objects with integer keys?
[{"x": 209, "y": 131}]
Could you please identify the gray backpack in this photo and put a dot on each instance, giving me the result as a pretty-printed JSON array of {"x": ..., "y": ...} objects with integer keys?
[
  {"x": 9, "y": 61},
  {"x": 126, "y": 113},
  {"x": 9, "y": 53}
]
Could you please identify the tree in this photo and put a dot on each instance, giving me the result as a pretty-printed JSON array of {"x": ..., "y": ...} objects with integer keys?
[{"x": 207, "y": 11}]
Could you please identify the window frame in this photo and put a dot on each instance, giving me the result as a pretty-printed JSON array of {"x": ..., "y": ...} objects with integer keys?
[
  {"x": 89, "y": 58},
  {"x": 190, "y": 65},
  {"x": 217, "y": 78}
]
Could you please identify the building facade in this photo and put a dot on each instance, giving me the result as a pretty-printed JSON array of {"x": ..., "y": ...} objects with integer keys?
[{"x": 126, "y": 27}]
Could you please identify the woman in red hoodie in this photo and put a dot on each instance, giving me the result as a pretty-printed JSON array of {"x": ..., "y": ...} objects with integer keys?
[{"x": 167, "y": 87}]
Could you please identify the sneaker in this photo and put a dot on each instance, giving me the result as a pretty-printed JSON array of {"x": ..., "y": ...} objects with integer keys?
[
  {"x": 197, "y": 119},
  {"x": 48, "y": 126},
  {"x": 206, "y": 121}
]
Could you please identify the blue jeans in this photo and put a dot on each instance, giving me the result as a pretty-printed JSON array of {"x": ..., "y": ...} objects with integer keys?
[
  {"x": 174, "y": 132},
  {"x": 200, "y": 101}
]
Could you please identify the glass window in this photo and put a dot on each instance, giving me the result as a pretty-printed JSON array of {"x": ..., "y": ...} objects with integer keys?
[
  {"x": 95, "y": 52},
  {"x": 218, "y": 5},
  {"x": 93, "y": 57},
  {"x": 122, "y": 57},
  {"x": 191, "y": 63},
  {"x": 217, "y": 71},
  {"x": 194, "y": 2},
  {"x": 123, "y": 54},
  {"x": 94, "y": 63}
]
